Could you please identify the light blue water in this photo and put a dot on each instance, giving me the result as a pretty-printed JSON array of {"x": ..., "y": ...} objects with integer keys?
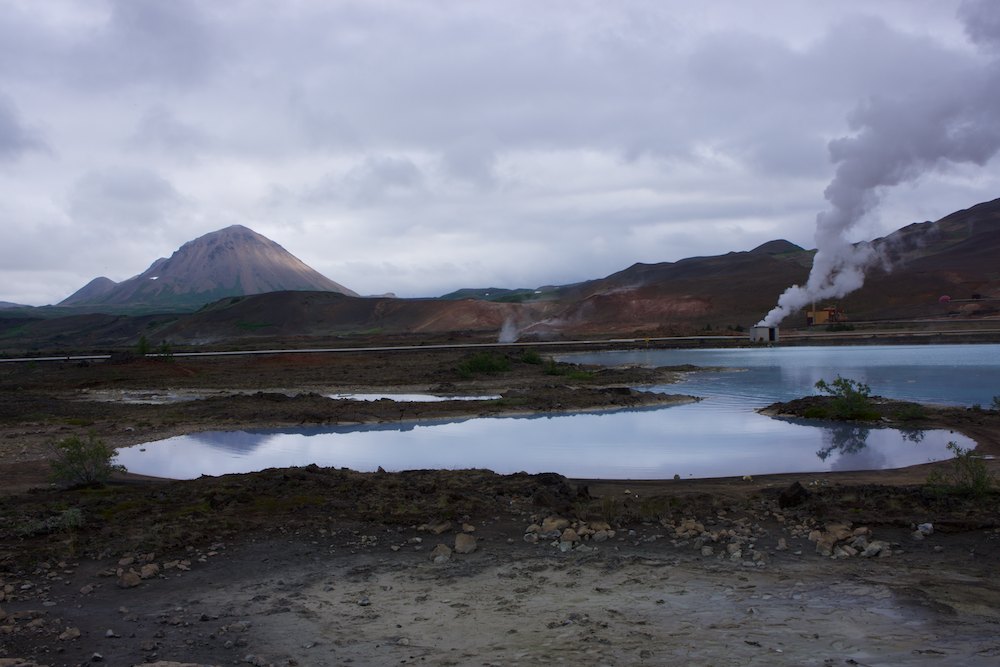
[
  {"x": 720, "y": 436},
  {"x": 938, "y": 374}
]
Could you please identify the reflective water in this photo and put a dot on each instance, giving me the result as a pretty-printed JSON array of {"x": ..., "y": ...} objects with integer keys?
[
  {"x": 409, "y": 398},
  {"x": 941, "y": 374},
  {"x": 719, "y": 436}
]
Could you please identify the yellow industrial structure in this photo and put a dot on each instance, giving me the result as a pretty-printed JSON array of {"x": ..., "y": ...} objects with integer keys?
[{"x": 828, "y": 315}]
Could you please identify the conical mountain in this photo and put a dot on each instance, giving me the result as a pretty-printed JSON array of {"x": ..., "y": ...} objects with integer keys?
[{"x": 235, "y": 261}]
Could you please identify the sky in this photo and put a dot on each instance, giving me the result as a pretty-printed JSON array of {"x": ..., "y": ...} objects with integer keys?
[{"x": 420, "y": 147}]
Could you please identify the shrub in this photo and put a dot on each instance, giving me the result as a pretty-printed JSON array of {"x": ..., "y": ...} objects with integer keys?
[
  {"x": 483, "y": 362},
  {"x": 969, "y": 474},
  {"x": 531, "y": 357},
  {"x": 142, "y": 347},
  {"x": 65, "y": 521},
  {"x": 911, "y": 412},
  {"x": 849, "y": 399},
  {"x": 996, "y": 403},
  {"x": 84, "y": 461}
]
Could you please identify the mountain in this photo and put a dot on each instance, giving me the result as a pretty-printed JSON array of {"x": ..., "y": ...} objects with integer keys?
[
  {"x": 234, "y": 261},
  {"x": 92, "y": 292},
  {"x": 8, "y": 304},
  {"x": 955, "y": 257}
]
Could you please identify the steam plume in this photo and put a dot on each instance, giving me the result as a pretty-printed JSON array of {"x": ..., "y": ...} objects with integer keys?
[{"x": 896, "y": 140}]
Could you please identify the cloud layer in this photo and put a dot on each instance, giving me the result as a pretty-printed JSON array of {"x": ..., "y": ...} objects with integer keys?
[{"x": 422, "y": 147}]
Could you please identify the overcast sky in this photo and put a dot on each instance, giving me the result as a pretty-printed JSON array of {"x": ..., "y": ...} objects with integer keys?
[{"x": 420, "y": 147}]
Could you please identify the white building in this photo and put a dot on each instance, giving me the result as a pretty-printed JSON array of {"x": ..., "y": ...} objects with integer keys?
[{"x": 762, "y": 334}]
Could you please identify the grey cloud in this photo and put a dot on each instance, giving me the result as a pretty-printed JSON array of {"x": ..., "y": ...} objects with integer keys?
[
  {"x": 15, "y": 137},
  {"x": 145, "y": 42},
  {"x": 123, "y": 201},
  {"x": 376, "y": 179},
  {"x": 982, "y": 21},
  {"x": 160, "y": 129}
]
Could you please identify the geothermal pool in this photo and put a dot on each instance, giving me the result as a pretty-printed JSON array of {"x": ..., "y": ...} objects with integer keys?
[{"x": 721, "y": 435}]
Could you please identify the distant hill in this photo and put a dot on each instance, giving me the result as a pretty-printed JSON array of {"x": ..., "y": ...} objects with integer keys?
[
  {"x": 92, "y": 292},
  {"x": 235, "y": 261},
  {"x": 954, "y": 257},
  {"x": 8, "y": 304}
]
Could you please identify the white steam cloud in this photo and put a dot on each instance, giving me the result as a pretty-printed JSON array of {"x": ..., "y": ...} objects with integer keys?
[{"x": 895, "y": 140}]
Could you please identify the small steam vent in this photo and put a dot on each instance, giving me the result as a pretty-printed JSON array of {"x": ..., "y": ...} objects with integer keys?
[{"x": 763, "y": 334}]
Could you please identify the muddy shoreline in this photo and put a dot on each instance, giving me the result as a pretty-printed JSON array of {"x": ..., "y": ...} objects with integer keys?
[{"x": 317, "y": 566}]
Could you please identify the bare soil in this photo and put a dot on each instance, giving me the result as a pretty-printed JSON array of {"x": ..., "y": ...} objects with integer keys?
[{"x": 321, "y": 566}]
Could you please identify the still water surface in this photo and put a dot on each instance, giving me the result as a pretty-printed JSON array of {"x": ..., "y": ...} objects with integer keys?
[{"x": 721, "y": 435}]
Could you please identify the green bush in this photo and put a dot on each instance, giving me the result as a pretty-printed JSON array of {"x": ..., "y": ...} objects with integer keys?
[
  {"x": 83, "y": 461},
  {"x": 531, "y": 357},
  {"x": 910, "y": 412},
  {"x": 969, "y": 474},
  {"x": 996, "y": 403},
  {"x": 849, "y": 400},
  {"x": 483, "y": 363}
]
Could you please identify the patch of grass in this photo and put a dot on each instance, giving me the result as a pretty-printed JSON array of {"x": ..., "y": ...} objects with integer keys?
[
  {"x": 65, "y": 521},
  {"x": 196, "y": 509},
  {"x": 569, "y": 371},
  {"x": 969, "y": 475},
  {"x": 252, "y": 326},
  {"x": 482, "y": 363},
  {"x": 78, "y": 421},
  {"x": 123, "y": 507},
  {"x": 910, "y": 412},
  {"x": 530, "y": 356}
]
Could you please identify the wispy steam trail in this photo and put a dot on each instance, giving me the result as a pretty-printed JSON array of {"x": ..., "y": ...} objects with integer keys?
[{"x": 894, "y": 141}]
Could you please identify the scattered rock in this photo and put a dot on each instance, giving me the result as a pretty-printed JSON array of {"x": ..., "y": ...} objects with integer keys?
[
  {"x": 554, "y": 523},
  {"x": 129, "y": 579},
  {"x": 441, "y": 554},
  {"x": 69, "y": 634},
  {"x": 149, "y": 571},
  {"x": 569, "y": 535},
  {"x": 465, "y": 543}
]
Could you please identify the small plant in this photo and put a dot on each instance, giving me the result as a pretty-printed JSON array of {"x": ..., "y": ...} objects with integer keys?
[
  {"x": 531, "y": 357},
  {"x": 483, "y": 363},
  {"x": 995, "y": 405},
  {"x": 969, "y": 474},
  {"x": 910, "y": 412},
  {"x": 849, "y": 399},
  {"x": 65, "y": 521},
  {"x": 165, "y": 351},
  {"x": 142, "y": 347},
  {"x": 84, "y": 461}
]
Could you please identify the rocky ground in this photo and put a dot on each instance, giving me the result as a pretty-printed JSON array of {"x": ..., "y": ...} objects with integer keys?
[{"x": 318, "y": 566}]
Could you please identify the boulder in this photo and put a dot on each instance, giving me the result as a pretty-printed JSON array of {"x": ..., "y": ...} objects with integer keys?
[
  {"x": 793, "y": 496},
  {"x": 554, "y": 523},
  {"x": 129, "y": 579},
  {"x": 465, "y": 543}
]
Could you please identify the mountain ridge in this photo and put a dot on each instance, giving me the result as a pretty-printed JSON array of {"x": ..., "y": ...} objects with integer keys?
[{"x": 954, "y": 257}]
